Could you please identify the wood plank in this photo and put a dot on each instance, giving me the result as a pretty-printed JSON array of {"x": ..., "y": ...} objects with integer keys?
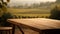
[
  {"x": 5, "y": 28},
  {"x": 39, "y": 23}
]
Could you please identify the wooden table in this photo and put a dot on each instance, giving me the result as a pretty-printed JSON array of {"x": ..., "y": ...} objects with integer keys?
[{"x": 37, "y": 24}]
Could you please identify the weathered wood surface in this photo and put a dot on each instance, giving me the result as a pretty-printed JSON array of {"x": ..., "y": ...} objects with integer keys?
[{"x": 39, "y": 23}]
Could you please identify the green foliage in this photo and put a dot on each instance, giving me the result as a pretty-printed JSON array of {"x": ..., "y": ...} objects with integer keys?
[
  {"x": 6, "y": 15},
  {"x": 4, "y": 18},
  {"x": 58, "y": 1},
  {"x": 55, "y": 13},
  {"x": 15, "y": 16},
  {"x": 19, "y": 16}
]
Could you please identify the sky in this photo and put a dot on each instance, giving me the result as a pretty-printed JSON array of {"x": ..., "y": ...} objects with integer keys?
[
  {"x": 29, "y": 1},
  {"x": 14, "y": 2}
]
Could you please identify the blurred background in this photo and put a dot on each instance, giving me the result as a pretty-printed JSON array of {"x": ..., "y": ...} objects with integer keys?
[
  {"x": 30, "y": 8},
  {"x": 18, "y": 9}
]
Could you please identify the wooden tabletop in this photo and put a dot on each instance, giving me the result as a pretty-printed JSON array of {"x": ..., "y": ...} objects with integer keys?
[{"x": 39, "y": 23}]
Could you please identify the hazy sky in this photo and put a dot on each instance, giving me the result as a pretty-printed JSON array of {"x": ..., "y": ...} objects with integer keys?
[{"x": 29, "y": 1}]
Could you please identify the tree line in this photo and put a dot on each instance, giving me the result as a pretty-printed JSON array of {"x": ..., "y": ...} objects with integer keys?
[
  {"x": 15, "y": 16},
  {"x": 34, "y": 5}
]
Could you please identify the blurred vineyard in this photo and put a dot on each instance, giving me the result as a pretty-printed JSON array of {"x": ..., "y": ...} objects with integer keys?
[{"x": 29, "y": 13}]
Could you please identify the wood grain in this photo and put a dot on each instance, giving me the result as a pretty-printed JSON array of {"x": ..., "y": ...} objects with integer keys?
[{"x": 39, "y": 23}]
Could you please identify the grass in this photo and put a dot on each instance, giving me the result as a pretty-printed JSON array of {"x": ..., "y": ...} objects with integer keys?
[
  {"x": 30, "y": 12},
  {"x": 14, "y": 10}
]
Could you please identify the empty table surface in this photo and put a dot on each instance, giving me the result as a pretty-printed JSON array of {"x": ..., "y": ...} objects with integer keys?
[{"x": 39, "y": 23}]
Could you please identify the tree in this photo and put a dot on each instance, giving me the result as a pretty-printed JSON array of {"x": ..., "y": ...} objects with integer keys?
[
  {"x": 57, "y": 1},
  {"x": 35, "y": 5},
  {"x": 55, "y": 13},
  {"x": 4, "y": 15},
  {"x": 3, "y": 6},
  {"x": 4, "y": 18}
]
